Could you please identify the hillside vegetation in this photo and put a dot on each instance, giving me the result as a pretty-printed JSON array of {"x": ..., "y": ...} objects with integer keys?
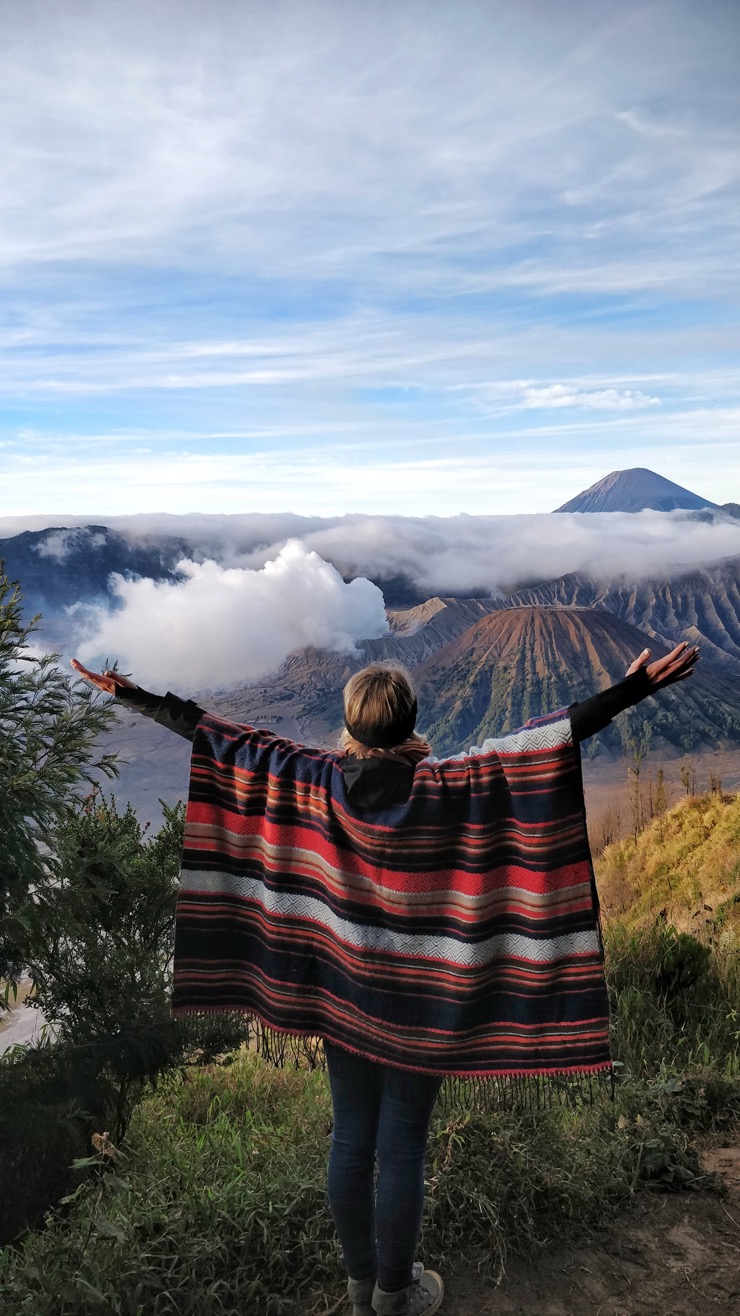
[{"x": 684, "y": 869}]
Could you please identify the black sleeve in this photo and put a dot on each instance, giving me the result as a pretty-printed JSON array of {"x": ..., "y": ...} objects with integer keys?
[
  {"x": 179, "y": 715},
  {"x": 593, "y": 714}
]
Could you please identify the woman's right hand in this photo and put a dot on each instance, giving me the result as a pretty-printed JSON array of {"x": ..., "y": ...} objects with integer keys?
[{"x": 108, "y": 681}]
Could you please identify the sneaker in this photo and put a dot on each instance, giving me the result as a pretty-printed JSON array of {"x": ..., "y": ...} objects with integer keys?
[
  {"x": 423, "y": 1297},
  {"x": 360, "y": 1291}
]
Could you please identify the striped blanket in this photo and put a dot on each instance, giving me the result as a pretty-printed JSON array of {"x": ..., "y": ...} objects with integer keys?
[{"x": 455, "y": 934}]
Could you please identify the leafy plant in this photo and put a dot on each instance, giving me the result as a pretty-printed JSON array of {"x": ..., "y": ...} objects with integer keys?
[
  {"x": 102, "y": 935},
  {"x": 49, "y": 726}
]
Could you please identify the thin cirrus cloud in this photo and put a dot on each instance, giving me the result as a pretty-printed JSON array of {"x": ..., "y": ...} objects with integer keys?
[
  {"x": 381, "y": 222},
  {"x": 344, "y": 131},
  {"x": 602, "y": 399},
  {"x": 525, "y": 395}
]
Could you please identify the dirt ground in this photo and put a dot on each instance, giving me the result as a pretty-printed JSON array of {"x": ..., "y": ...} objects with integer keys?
[{"x": 673, "y": 1255}]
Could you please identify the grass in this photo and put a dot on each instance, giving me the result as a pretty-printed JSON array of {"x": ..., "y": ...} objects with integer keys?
[
  {"x": 686, "y": 863},
  {"x": 675, "y": 1002},
  {"x": 216, "y": 1203}
]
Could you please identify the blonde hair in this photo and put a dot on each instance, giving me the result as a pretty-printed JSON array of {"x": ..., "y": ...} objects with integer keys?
[{"x": 374, "y": 699}]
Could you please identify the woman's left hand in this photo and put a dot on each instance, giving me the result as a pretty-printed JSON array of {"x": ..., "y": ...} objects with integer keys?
[
  {"x": 108, "y": 681},
  {"x": 676, "y": 666}
]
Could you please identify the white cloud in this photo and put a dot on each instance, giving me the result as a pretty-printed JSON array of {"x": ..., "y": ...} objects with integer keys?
[
  {"x": 60, "y": 543},
  {"x": 223, "y": 625},
  {"x": 529, "y": 395},
  {"x": 316, "y": 138},
  {"x": 604, "y": 399},
  {"x": 459, "y": 554},
  {"x": 453, "y": 554}
]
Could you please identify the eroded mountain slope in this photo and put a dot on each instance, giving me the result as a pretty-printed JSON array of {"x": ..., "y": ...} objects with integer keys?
[
  {"x": 517, "y": 663},
  {"x": 701, "y": 605}
]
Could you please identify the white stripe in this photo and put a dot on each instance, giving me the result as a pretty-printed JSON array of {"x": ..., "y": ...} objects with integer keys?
[
  {"x": 373, "y": 938},
  {"x": 550, "y": 736}
]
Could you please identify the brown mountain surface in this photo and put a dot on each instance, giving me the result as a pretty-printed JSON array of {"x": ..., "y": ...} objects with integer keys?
[
  {"x": 550, "y": 664},
  {"x": 518, "y": 663},
  {"x": 435, "y": 622},
  {"x": 701, "y": 605}
]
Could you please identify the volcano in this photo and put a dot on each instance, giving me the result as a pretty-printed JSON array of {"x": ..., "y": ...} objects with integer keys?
[
  {"x": 522, "y": 662},
  {"x": 633, "y": 491}
]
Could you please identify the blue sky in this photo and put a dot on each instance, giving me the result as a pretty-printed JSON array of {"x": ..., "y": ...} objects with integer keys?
[{"x": 348, "y": 257}]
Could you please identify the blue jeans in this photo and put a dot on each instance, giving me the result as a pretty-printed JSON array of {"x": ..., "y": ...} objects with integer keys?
[{"x": 377, "y": 1108}]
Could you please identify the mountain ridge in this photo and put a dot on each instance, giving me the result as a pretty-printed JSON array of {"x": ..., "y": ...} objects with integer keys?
[
  {"x": 700, "y": 605},
  {"x": 450, "y": 642}
]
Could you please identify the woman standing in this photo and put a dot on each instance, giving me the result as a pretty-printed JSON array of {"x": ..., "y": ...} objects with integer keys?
[{"x": 426, "y": 919}]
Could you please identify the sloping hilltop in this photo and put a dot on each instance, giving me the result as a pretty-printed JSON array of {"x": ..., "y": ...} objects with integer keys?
[
  {"x": 519, "y": 662},
  {"x": 684, "y": 868}
]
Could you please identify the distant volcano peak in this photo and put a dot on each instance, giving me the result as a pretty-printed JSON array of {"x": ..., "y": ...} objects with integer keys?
[{"x": 635, "y": 490}]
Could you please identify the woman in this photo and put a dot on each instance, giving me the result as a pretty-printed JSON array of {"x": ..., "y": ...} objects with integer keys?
[{"x": 426, "y": 919}]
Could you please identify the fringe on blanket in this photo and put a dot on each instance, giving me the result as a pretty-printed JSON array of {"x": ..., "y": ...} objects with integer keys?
[{"x": 218, "y": 1034}]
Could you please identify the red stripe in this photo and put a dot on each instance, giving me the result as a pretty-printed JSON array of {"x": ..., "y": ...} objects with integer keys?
[{"x": 296, "y": 837}]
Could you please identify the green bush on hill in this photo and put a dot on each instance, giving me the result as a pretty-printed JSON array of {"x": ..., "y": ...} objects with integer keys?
[
  {"x": 99, "y": 942},
  {"x": 48, "y": 729},
  {"x": 87, "y": 906},
  {"x": 102, "y": 936}
]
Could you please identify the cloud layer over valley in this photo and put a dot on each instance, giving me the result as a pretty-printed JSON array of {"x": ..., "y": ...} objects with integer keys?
[
  {"x": 253, "y": 589},
  {"x": 455, "y": 554}
]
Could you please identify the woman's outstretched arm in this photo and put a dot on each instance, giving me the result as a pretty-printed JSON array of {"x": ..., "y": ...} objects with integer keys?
[{"x": 179, "y": 715}]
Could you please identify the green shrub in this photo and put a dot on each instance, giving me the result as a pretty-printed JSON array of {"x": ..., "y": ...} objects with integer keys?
[
  {"x": 49, "y": 726},
  {"x": 99, "y": 942},
  {"x": 102, "y": 936},
  {"x": 675, "y": 1002},
  {"x": 54, "y": 1097}
]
